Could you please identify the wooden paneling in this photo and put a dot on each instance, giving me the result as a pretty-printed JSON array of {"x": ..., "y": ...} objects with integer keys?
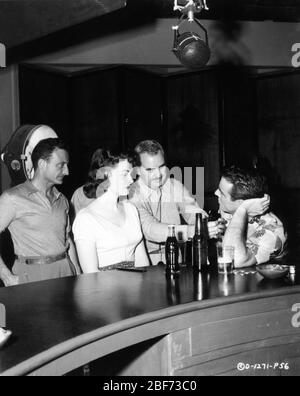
[
  {"x": 279, "y": 126},
  {"x": 94, "y": 115},
  {"x": 278, "y": 106},
  {"x": 142, "y": 107},
  {"x": 203, "y": 118},
  {"x": 81, "y": 105},
  {"x": 193, "y": 124},
  {"x": 238, "y": 113}
]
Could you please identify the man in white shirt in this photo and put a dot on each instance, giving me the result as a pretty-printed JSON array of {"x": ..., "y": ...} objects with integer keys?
[{"x": 161, "y": 201}]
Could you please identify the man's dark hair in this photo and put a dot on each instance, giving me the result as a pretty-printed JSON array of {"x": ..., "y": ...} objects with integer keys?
[
  {"x": 247, "y": 182},
  {"x": 151, "y": 147},
  {"x": 44, "y": 150}
]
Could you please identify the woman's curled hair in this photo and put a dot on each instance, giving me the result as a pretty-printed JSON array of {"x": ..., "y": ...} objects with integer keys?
[{"x": 102, "y": 158}]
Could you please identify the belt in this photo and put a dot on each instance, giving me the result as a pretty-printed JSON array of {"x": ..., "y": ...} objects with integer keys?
[
  {"x": 41, "y": 260},
  {"x": 123, "y": 264}
]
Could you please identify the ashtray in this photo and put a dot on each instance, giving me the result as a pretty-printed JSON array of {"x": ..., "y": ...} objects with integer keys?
[{"x": 273, "y": 271}]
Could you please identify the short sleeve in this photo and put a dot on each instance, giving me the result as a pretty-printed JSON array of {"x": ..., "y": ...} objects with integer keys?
[
  {"x": 269, "y": 240},
  {"x": 267, "y": 246},
  {"x": 83, "y": 229},
  {"x": 7, "y": 211}
]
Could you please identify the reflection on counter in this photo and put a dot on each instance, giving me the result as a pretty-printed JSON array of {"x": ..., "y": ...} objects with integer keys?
[
  {"x": 173, "y": 290},
  {"x": 226, "y": 284},
  {"x": 201, "y": 285}
]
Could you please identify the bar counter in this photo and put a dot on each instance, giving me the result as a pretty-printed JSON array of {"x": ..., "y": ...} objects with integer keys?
[{"x": 141, "y": 323}]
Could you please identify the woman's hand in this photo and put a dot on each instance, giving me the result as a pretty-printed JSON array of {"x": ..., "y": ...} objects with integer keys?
[{"x": 256, "y": 206}]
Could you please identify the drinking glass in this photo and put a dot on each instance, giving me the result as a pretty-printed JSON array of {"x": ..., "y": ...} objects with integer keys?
[{"x": 225, "y": 259}]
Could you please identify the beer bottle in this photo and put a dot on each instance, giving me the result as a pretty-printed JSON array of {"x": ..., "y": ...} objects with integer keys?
[
  {"x": 172, "y": 251},
  {"x": 200, "y": 245}
]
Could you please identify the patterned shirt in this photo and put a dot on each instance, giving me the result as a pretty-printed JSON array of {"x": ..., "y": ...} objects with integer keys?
[
  {"x": 37, "y": 227},
  {"x": 266, "y": 238}
]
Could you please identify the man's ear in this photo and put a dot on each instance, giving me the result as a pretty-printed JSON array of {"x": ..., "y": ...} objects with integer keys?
[{"x": 42, "y": 163}]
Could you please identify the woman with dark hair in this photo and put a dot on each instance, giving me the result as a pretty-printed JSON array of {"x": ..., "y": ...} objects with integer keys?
[
  {"x": 86, "y": 194},
  {"x": 108, "y": 231}
]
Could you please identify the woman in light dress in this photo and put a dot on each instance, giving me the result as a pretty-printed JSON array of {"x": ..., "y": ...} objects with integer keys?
[{"x": 108, "y": 231}]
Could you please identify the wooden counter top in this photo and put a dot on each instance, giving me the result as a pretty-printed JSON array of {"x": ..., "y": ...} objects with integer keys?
[{"x": 59, "y": 325}]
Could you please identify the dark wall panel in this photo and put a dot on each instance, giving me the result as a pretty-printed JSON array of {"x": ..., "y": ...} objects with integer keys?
[{"x": 278, "y": 97}]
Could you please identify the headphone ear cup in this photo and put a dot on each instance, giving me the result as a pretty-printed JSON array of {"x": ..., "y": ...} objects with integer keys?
[
  {"x": 12, "y": 154},
  {"x": 17, "y": 152}
]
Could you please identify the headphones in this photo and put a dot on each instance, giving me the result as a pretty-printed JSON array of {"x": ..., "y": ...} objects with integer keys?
[{"x": 17, "y": 153}]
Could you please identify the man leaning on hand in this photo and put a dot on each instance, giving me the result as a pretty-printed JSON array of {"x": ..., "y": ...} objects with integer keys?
[{"x": 256, "y": 233}]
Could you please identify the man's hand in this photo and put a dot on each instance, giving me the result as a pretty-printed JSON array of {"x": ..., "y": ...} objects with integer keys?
[
  {"x": 11, "y": 281},
  {"x": 256, "y": 206},
  {"x": 6, "y": 276},
  {"x": 216, "y": 228}
]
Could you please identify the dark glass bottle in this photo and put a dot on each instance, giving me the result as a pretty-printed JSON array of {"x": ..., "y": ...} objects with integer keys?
[
  {"x": 172, "y": 253},
  {"x": 200, "y": 244}
]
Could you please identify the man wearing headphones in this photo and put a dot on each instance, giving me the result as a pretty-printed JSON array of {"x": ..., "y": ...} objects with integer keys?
[{"x": 36, "y": 214}]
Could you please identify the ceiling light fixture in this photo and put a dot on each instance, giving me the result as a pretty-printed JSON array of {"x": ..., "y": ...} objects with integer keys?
[{"x": 189, "y": 47}]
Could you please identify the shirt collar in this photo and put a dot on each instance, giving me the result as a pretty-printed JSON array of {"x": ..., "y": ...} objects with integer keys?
[
  {"x": 31, "y": 189},
  {"x": 147, "y": 191}
]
